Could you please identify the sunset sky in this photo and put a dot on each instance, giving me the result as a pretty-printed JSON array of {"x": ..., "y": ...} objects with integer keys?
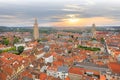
[{"x": 59, "y": 12}]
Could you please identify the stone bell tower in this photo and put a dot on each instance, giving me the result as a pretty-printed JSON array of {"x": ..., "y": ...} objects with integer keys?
[{"x": 36, "y": 30}]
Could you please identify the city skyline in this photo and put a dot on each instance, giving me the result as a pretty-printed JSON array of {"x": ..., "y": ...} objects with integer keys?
[{"x": 63, "y": 13}]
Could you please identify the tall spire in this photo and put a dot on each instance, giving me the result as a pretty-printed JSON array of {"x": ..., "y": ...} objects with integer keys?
[
  {"x": 36, "y": 30},
  {"x": 35, "y": 20},
  {"x": 93, "y": 31}
]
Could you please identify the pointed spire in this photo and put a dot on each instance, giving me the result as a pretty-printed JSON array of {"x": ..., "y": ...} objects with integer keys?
[
  {"x": 93, "y": 25},
  {"x": 35, "y": 20}
]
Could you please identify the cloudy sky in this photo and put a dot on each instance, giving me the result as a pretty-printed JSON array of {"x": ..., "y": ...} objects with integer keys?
[{"x": 59, "y": 12}]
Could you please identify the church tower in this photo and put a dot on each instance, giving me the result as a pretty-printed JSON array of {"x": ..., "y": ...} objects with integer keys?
[
  {"x": 36, "y": 30},
  {"x": 93, "y": 31}
]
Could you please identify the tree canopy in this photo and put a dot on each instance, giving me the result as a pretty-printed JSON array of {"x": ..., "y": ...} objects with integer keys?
[
  {"x": 16, "y": 39},
  {"x": 5, "y": 41},
  {"x": 89, "y": 48},
  {"x": 20, "y": 49}
]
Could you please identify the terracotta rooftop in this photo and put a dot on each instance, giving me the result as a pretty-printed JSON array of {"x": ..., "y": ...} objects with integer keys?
[
  {"x": 3, "y": 76},
  {"x": 7, "y": 70},
  {"x": 67, "y": 78},
  {"x": 26, "y": 74},
  {"x": 43, "y": 76},
  {"x": 102, "y": 77},
  {"x": 76, "y": 70},
  {"x": 53, "y": 68},
  {"x": 57, "y": 63},
  {"x": 115, "y": 67}
]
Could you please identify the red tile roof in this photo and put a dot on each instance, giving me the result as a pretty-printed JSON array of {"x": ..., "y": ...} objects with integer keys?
[
  {"x": 100, "y": 63},
  {"x": 53, "y": 68},
  {"x": 7, "y": 70},
  {"x": 54, "y": 53},
  {"x": 57, "y": 63},
  {"x": 43, "y": 76},
  {"x": 3, "y": 76},
  {"x": 26, "y": 74},
  {"x": 102, "y": 77},
  {"x": 16, "y": 64},
  {"x": 76, "y": 70},
  {"x": 67, "y": 78},
  {"x": 10, "y": 62},
  {"x": 115, "y": 67}
]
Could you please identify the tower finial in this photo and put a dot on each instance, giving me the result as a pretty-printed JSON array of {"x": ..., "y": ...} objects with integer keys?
[{"x": 35, "y": 20}]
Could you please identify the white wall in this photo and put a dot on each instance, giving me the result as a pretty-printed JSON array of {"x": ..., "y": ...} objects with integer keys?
[{"x": 49, "y": 59}]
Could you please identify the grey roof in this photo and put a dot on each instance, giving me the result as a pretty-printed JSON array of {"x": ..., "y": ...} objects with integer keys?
[
  {"x": 26, "y": 78},
  {"x": 63, "y": 69}
]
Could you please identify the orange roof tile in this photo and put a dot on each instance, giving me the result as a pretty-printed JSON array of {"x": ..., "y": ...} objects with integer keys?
[
  {"x": 7, "y": 70},
  {"x": 54, "y": 53},
  {"x": 54, "y": 68},
  {"x": 76, "y": 70},
  {"x": 26, "y": 73},
  {"x": 57, "y": 63},
  {"x": 117, "y": 52},
  {"x": 3, "y": 76},
  {"x": 100, "y": 63},
  {"x": 102, "y": 77},
  {"x": 42, "y": 76},
  {"x": 115, "y": 67},
  {"x": 67, "y": 78}
]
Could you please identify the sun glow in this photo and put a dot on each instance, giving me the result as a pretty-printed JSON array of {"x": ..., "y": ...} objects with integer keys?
[{"x": 73, "y": 20}]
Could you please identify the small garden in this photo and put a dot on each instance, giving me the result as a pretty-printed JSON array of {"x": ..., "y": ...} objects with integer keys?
[{"x": 89, "y": 48}]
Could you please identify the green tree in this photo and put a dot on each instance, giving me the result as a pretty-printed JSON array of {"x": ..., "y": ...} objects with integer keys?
[
  {"x": 1, "y": 51},
  {"x": 93, "y": 39},
  {"x": 39, "y": 40},
  {"x": 102, "y": 40},
  {"x": 5, "y": 41},
  {"x": 20, "y": 49},
  {"x": 16, "y": 40},
  {"x": 69, "y": 40},
  {"x": 89, "y": 48}
]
